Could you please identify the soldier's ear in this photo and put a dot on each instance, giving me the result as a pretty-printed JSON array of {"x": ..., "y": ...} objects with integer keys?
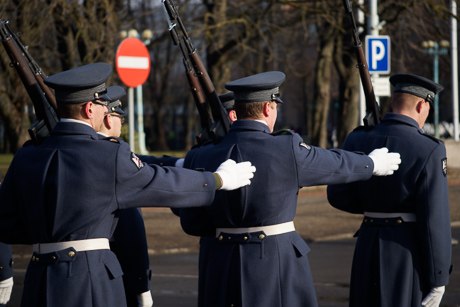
[
  {"x": 266, "y": 109},
  {"x": 419, "y": 105},
  {"x": 108, "y": 121},
  {"x": 87, "y": 110}
]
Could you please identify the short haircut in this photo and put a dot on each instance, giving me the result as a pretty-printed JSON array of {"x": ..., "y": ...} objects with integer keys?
[
  {"x": 251, "y": 109},
  {"x": 70, "y": 110}
]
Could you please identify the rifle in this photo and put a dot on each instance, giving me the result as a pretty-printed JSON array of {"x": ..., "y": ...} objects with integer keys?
[
  {"x": 195, "y": 87},
  {"x": 32, "y": 77},
  {"x": 221, "y": 124},
  {"x": 372, "y": 117}
]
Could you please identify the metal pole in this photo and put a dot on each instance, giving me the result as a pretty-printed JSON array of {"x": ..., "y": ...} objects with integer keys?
[
  {"x": 131, "y": 118},
  {"x": 373, "y": 29},
  {"x": 362, "y": 98},
  {"x": 454, "y": 57},
  {"x": 436, "y": 79},
  {"x": 140, "y": 121}
]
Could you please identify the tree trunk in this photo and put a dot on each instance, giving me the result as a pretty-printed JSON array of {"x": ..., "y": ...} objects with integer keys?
[{"x": 322, "y": 89}]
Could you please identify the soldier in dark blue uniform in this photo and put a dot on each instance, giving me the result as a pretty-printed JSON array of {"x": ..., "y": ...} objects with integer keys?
[
  {"x": 403, "y": 252},
  {"x": 254, "y": 256},
  {"x": 129, "y": 241},
  {"x": 6, "y": 271},
  {"x": 63, "y": 196}
]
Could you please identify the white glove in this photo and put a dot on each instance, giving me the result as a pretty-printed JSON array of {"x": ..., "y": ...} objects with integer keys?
[
  {"x": 179, "y": 163},
  {"x": 144, "y": 299},
  {"x": 433, "y": 299},
  {"x": 235, "y": 175},
  {"x": 385, "y": 163},
  {"x": 6, "y": 286}
]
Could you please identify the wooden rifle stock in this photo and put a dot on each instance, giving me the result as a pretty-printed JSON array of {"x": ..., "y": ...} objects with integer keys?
[
  {"x": 201, "y": 105},
  {"x": 195, "y": 87},
  {"x": 46, "y": 115},
  {"x": 221, "y": 123},
  {"x": 372, "y": 116}
]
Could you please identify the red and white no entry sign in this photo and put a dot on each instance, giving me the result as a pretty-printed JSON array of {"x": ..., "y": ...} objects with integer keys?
[{"x": 132, "y": 61}]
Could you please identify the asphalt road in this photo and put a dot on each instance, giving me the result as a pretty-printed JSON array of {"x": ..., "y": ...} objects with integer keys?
[{"x": 174, "y": 258}]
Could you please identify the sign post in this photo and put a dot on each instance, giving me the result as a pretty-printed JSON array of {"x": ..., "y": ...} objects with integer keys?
[{"x": 132, "y": 61}]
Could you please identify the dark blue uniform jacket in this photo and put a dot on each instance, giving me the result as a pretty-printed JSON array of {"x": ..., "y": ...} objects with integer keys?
[
  {"x": 272, "y": 271},
  {"x": 396, "y": 264},
  {"x": 71, "y": 188}
]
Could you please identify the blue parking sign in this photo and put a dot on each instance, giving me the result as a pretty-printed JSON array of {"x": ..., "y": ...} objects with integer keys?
[{"x": 378, "y": 53}]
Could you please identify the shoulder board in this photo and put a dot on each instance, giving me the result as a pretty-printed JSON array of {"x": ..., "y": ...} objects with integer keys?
[
  {"x": 431, "y": 137},
  {"x": 111, "y": 139},
  {"x": 283, "y": 132}
]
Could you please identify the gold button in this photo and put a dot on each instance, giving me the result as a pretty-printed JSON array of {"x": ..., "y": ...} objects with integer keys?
[
  {"x": 398, "y": 221},
  {"x": 372, "y": 221},
  {"x": 367, "y": 166},
  {"x": 33, "y": 258},
  {"x": 221, "y": 238},
  {"x": 365, "y": 220},
  {"x": 386, "y": 221},
  {"x": 261, "y": 236},
  {"x": 205, "y": 185},
  {"x": 54, "y": 257},
  {"x": 229, "y": 238},
  {"x": 1, "y": 268},
  {"x": 245, "y": 238},
  {"x": 36, "y": 259},
  {"x": 71, "y": 254}
]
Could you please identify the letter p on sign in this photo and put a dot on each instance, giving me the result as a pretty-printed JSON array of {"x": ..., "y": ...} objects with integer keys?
[{"x": 378, "y": 54}]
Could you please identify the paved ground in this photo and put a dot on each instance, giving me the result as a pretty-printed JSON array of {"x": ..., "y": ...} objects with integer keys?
[{"x": 173, "y": 254}]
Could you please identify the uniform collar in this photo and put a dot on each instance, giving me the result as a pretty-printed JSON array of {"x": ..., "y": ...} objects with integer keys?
[
  {"x": 74, "y": 128},
  {"x": 249, "y": 124},
  {"x": 402, "y": 119}
]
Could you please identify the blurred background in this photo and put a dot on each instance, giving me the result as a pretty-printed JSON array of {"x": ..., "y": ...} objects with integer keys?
[{"x": 310, "y": 41}]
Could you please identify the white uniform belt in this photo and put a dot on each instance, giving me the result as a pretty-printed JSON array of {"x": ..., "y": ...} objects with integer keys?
[
  {"x": 406, "y": 217},
  {"x": 78, "y": 245},
  {"x": 270, "y": 230}
]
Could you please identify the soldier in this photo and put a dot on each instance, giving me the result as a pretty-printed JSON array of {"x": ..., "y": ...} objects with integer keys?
[
  {"x": 228, "y": 101},
  {"x": 6, "y": 271},
  {"x": 254, "y": 255},
  {"x": 129, "y": 241},
  {"x": 63, "y": 196},
  {"x": 403, "y": 252}
]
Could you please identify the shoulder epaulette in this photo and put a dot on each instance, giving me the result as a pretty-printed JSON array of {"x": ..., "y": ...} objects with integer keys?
[
  {"x": 283, "y": 132},
  {"x": 431, "y": 137},
  {"x": 112, "y": 139}
]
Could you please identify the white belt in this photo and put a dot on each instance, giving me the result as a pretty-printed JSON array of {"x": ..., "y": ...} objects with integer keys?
[
  {"x": 406, "y": 217},
  {"x": 78, "y": 245},
  {"x": 271, "y": 230}
]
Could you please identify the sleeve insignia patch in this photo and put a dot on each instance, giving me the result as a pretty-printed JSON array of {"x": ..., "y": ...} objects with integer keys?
[
  {"x": 444, "y": 166},
  {"x": 136, "y": 161},
  {"x": 308, "y": 147}
]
